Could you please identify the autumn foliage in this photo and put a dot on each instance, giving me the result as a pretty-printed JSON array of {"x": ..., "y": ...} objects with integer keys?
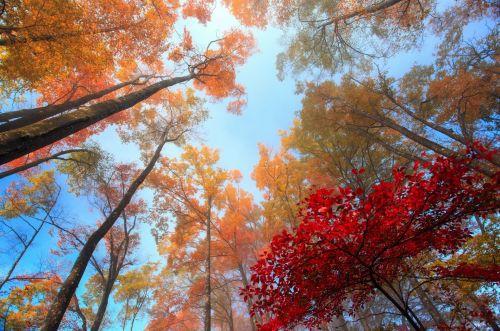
[{"x": 354, "y": 243}]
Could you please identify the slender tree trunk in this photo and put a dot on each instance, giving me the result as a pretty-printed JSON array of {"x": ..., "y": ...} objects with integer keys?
[
  {"x": 80, "y": 313},
  {"x": 428, "y": 304},
  {"x": 12, "y": 40},
  {"x": 405, "y": 311},
  {"x": 208, "y": 286},
  {"x": 363, "y": 11},
  {"x": 103, "y": 305},
  {"x": 19, "y": 118},
  {"x": 124, "y": 322},
  {"x": 60, "y": 304},
  {"x": 244, "y": 280},
  {"x": 20, "y": 256},
  {"x": 429, "y": 144},
  {"x": 56, "y": 156},
  {"x": 231, "y": 320},
  {"x": 16, "y": 143}
]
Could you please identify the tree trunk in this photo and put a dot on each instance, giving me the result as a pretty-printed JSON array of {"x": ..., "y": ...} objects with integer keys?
[
  {"x": 20, "y": 256},
  {"x": 103, "y": 305},
  {"x": 405, "y": 311},
  {"x": 429, "y": 144},
  {"x": 30, "y": 165},
  {"x": 60, "y": 304},
  {"x": 12, "y": 40},
  {"x": 19, "y": 142},
  {"x": 19, "y": 118},
  {"x": 428, "y": 304},
  {"x": 253, "y": 319},
  {"x": 363, "y": 11},
  {"x": 208, "y": 285}
]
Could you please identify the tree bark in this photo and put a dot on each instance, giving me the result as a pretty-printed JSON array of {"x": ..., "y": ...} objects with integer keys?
[
  {"x": 12, "y": 40},
  {"x": 19, "y": 118},
  {"x": 429, "y": 144},
  {"x": 428, "y": 304},
  {"x": 19, "y": 142},
  {"x": 363, "y": 11},
  {"x": 29, "y": 165},
  {"x": 208, "y": 286},
  {"x": 103, "y": 305},
  {"x": 60, "y": 304},
  {"x": 244, "y": 281}
]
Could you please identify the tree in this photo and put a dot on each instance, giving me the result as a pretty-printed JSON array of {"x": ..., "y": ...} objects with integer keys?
[
  {"x": 284, "y": 179},
  {"x": 337, "y": 36},
  {"x": 370, "y": 109},
  {"x": 169, "y": 128},
  {"x": 135, "y": 289},
  {"x": 239, "y": 236},
  {"x": 26, "y": 209},
  {"x": 105, "y": 185},
  {"x": 44, "y": 40},
  {"x": 192, "y": 189},
  {"x": 213, "y": 71},
  {"x": 25, "y": 306},
  {"x": 355, "y": 243}
]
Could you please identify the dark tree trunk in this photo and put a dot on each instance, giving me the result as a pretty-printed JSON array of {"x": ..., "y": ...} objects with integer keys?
[
  {"x": 428, "y": 304},
  {"x": 103, "y": 305},
  {"x": 60, "y": 304},
  {"x": 16, "y": 143},
  {"x": 56, "y": 156},
  {"x": 422, "y": 141},
  {"x": 19, "y": 118},
  {"x": 12, "y": 40}
]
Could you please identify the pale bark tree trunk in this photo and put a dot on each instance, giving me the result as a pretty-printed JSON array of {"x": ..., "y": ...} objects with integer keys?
[
  {"x": 208, "y": 266},
  {"x": 428, "y": 304},
  {"x": 60, "y": 304},
  {"x": 244, "y": 280}
]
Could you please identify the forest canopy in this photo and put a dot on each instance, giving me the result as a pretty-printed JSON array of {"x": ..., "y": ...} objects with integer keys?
[{"x": 241, "y": 165}]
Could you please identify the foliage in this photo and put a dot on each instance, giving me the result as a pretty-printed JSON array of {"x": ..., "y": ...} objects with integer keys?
[{"x": 352, "y": 243}]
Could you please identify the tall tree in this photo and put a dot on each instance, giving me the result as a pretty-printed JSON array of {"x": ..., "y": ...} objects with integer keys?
[
  {"x": 169, "y": 128},
  {"x": 135, "y": 289},
  {"x": 192, "y": 189},
  {"x": 214, "y": 71},
  {"x": 25, "y": 210}
]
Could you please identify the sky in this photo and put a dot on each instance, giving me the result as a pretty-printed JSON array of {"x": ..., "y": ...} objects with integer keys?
[{"x": 272, "y": 105}]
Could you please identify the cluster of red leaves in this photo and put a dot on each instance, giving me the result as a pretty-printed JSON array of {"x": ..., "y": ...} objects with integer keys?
[{"x": 350, "y": 243}]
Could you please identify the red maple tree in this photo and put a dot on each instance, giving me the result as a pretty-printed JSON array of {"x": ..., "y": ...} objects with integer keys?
[{"x": 353, "y": 244}]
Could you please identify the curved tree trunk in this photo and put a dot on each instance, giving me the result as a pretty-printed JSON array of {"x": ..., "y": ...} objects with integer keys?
[{"x": 61, "y": 302}]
